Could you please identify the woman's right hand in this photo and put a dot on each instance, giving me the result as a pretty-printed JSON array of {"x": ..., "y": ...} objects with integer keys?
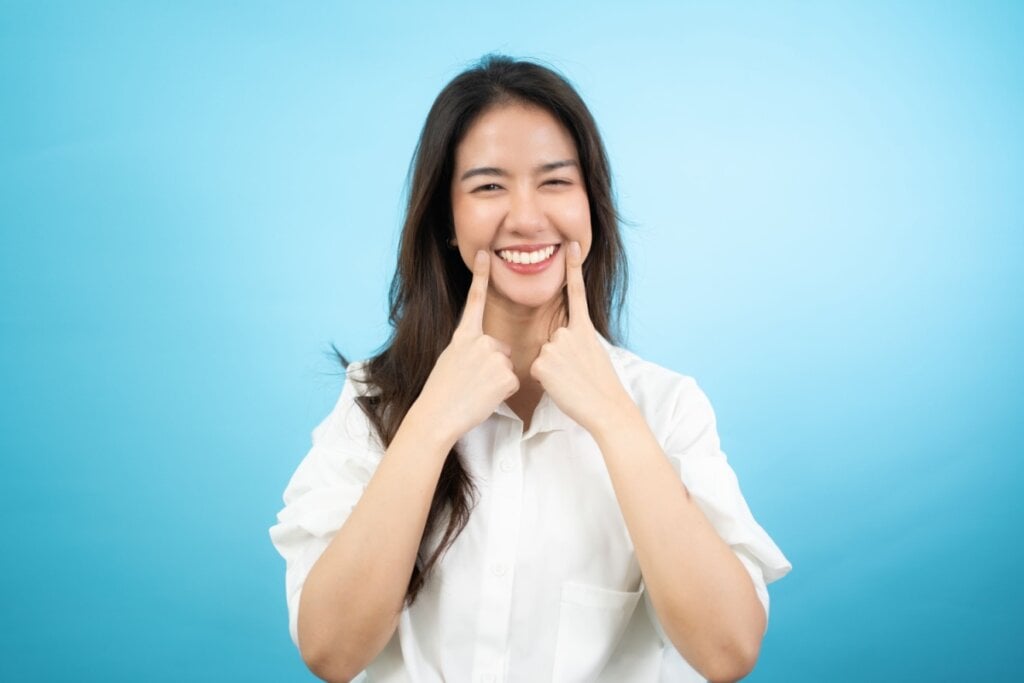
[{"x": 474, "y": 374}]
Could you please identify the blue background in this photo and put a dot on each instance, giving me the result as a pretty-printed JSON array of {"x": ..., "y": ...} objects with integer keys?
[{"x": 826, "y": 231}]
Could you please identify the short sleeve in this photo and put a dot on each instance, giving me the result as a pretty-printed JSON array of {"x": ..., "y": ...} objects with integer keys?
[
  {"x": 694, "y": 448},
  {"x": 324, "y": 488}
]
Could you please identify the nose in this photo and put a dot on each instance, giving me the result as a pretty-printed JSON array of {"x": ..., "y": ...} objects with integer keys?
[{"x": 525, "y": 212}]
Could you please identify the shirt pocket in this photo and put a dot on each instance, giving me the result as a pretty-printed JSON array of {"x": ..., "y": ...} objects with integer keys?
[{"x": 590, "y": 625}]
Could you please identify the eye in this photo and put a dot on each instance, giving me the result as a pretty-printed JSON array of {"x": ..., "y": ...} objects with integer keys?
[
  {"x": 557, "y": 181},
  {"x": 489, "y": 187}
]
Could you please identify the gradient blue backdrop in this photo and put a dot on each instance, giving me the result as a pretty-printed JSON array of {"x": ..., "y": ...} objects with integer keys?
[{"x": 826, "y": 232}]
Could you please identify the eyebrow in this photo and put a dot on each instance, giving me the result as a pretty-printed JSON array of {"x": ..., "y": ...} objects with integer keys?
[{"x": 493, "y": 170}]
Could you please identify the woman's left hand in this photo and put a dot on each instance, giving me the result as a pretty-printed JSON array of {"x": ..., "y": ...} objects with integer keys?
[{"x": 573, "y": 366}]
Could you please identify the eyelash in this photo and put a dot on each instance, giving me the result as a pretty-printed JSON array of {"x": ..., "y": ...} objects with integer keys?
[{"x": 486, "y": 188}]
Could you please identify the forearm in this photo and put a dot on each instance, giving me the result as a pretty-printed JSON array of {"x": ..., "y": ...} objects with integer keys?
[
  {"x": 704, "y": 597},
  {"x": 353, "y": 596}
]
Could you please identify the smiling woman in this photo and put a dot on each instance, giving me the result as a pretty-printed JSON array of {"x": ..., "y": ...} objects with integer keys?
[{"x": 504, "y": 493}]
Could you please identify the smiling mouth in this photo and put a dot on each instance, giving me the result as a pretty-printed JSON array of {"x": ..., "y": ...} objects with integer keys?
[{"x": 527, "y": 258}]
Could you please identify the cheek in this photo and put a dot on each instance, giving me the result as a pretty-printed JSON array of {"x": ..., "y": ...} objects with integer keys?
[
  {"x": 577, "y": 221},
  {"x": 579, "y": 213},
  {"x": 473, "y": 224},
  {"x": 582, "y": 229}
]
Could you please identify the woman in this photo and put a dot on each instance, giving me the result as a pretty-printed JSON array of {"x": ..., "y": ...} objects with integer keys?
[{"x": 503, "y": 493}]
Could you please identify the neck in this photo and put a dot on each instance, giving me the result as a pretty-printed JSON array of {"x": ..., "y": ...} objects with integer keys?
[{"x": 523, "y": 328}]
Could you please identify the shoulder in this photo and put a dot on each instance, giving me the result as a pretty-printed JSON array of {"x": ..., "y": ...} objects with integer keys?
[
  {"x": 666, "y": 397},
  {"x": 356, "y": 384},
  {"x": 650, "y": 382},
  {"x": 357, "y": 378},
  {"x": 347, "y": 421}
]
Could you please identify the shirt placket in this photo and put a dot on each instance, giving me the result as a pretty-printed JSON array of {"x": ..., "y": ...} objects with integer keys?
[{"x": 506, "y": 490}]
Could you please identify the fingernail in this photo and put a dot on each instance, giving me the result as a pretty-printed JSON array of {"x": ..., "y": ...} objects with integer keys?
[
  {"x": 481, "y": 255},
  {"x": 574, "y": 249}
]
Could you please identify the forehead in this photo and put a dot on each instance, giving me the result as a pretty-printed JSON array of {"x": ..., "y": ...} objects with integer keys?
[{"x": 512, "y": 134}]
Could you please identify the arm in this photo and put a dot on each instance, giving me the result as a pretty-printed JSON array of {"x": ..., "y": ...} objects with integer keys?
[
  {"x": 702, "y": 594},
  {"x": 700, "y": 590},
  {"x": 353, "y": 596}
]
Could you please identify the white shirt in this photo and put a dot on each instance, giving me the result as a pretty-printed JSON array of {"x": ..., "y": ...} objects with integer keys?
[{"x": 543, "y": 584}]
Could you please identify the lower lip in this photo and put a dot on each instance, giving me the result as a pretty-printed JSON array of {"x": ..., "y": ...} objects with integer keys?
[{"x": 530, "y": 268}]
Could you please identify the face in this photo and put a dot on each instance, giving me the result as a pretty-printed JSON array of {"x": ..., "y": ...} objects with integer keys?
[{"x": 518, "y": 193}]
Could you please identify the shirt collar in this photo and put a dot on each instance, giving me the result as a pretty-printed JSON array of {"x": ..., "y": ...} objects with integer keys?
[{"x": 548, "y": 417}]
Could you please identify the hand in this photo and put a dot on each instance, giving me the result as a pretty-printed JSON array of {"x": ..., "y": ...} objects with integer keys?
[
  {"x": 474, "y": 373},
  {"x": 573, "y": 366}
]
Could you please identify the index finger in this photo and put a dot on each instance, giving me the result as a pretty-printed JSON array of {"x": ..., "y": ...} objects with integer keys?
[
  {"x": 579, "y": 313},
  {"x": 473, "y": 312}
]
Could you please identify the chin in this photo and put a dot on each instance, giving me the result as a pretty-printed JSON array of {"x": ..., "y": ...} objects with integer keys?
[{"x": 533, "y": 299}]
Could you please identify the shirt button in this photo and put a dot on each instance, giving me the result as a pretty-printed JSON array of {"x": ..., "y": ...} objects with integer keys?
[
  {"x": 499, "y": 569},
  {"x": 507, "y": 465}
]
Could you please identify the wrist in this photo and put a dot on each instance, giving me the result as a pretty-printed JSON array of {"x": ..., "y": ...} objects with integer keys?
[
  {"x": 427, "y": 430},
  {"x": 621, "y": 417}
]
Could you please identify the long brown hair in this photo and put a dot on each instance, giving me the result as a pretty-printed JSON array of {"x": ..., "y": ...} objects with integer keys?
[{"x": 431, "y": 281}]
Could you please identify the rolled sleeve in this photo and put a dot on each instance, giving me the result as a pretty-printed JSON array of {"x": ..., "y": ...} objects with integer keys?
[
  {"x": 694, "y": 448},
  {"x": 323, "y": 490}
]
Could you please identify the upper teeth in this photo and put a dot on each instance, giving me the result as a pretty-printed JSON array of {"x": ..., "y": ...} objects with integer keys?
[{"x": 527, "y": 256}]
